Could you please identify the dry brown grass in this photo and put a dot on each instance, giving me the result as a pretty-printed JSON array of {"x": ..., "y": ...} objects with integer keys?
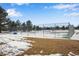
[{"x": 51, "y": 46}]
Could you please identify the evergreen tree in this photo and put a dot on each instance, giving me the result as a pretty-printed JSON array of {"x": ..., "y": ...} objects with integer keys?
[
  {"x": 18, "y": 24},
  {"x": 63, "y": 27},
  {"x": 57, "y": 27},
  {"x": 12, "y": 26},
  {"x": 29, "y": 25},
  {"x": 24, "y": 26},
  {"x": 77, "y": 27},
  {"x": 3, "y": 18},
  {"x": 34, "y": 27}
]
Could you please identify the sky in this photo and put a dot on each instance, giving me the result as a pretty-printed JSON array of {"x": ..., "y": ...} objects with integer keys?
[{"x": 43, "y": 13}]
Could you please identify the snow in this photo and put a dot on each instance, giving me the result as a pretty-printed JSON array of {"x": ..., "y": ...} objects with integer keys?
[
  {"x": 57, "y": 54},
  {"x": 48, "y": 34},
  {"x": 12, "y": 45},
  {"x": 51, "y": 34},
  {"x": 7, "y": 50},
  {"x": 18, "y": 44},
  {"x": 41, "y": 51},
  {"x": 30, "y": 41},
  {"x": 4, "y": 40},
  {"x": 71, "y": 54},
  {"x": 76, "y": 35}
]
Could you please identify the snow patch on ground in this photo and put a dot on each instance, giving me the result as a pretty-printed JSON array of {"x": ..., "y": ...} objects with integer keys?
[
  {"x": 41, "y": 51},
  {"x": 30, "y": 41},
  {"x": 57, "y": 54},
  {"x": 8, "y": 50},
  {"x": 4, "y": 40},
  {"x": 18, "y": 44},
  {"x": 12, "y": 45},
  {"x": 76, "y": 35}
]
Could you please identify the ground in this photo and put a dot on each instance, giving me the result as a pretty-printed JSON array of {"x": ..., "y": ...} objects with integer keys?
[
  {"x": 44, "y": 46},
  {"x": 24, "y": 43}
]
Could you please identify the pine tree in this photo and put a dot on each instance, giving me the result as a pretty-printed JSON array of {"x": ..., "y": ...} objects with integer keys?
[
  {"x": 29, "y": 25},
  {"x": 24, "y": 27},
  {"x": 18, "y": 24},
  {"x": 3, "y": 18}
]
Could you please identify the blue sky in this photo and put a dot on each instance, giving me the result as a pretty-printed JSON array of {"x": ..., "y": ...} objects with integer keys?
[{"x": 43, "y": 13}]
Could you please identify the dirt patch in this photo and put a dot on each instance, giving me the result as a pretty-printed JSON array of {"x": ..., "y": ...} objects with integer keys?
[{"x": 44, "y": 46}]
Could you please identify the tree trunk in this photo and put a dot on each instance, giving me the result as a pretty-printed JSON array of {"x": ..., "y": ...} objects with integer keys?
[{"x": 0, "y": 29}]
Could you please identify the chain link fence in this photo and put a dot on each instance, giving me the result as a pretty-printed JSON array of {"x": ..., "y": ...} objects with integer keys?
[{"x": 54, "y": 30}]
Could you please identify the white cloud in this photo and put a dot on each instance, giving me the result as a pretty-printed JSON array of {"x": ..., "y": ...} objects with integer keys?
[
  {"x": 62, "y": 6},
  {"x": 74, "y": 14},
  {"x": 13, "y": 12},
  {"x": 67, "y": 6},
  {"x": 19, "y": 4},
  {"x": 45, "y": 7},
  {"x": 27, "y": 4}
]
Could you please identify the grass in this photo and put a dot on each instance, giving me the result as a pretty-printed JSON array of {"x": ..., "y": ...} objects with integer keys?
[{"x": 52, "y": 46}]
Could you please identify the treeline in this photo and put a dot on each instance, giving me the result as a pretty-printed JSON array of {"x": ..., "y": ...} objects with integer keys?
[
  {"x": 18, "y": 26},
  {"x": 8, "y": 25}
]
